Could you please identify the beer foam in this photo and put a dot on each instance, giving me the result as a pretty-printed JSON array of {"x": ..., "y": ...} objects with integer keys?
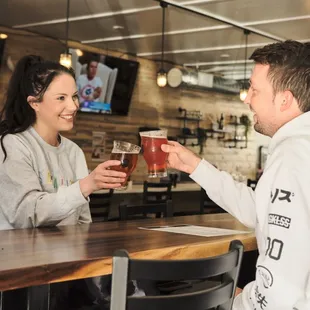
[
  {"x": 162, "y": 134},
  {"x": 154, "y": 137},
  {"x": 125, "y": 147},
  {"x": 117, "y": 151}
]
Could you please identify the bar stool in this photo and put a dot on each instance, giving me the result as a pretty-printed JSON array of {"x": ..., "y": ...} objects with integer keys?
[
  {"x": 163, "y": 209},
  {"x": 156, "y": 192},
  {"x": 100, "y": 205},
  {"x": 219, "y": 296},
  {"x": 207, "y": 205}
]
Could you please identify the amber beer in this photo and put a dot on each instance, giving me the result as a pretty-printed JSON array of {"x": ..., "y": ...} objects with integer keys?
[
  {"x": 155, "y": 158},
  {"x": 127, "y": 153}
]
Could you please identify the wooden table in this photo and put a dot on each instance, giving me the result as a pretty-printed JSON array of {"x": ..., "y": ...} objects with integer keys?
[{"x": 46, "y": 255}]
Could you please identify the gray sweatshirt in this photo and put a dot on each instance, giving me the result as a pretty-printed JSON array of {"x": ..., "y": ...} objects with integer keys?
[{"x": 39, "y": 183}]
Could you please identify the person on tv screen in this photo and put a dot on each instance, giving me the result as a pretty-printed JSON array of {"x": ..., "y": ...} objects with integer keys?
[{"x": 89, "y": 85}]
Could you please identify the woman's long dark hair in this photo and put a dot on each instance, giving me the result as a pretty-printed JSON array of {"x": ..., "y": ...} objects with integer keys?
[{"x": 31, "y": 77}]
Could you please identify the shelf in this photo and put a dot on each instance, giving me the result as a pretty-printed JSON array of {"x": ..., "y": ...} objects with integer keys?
[
  {"x": 210, "y": 130},
  {"x": 234, "y": 140},
  {"x": 187, "y": 136},
  {"x": 188, "y": 118},
  {"x": 235, "y": 124}
]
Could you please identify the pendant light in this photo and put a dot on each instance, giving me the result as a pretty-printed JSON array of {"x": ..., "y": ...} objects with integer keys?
[
  {"x": 66, "y": 57},
  {"x": 244, "y": 89},
  {"x": 162, "y": 74}
]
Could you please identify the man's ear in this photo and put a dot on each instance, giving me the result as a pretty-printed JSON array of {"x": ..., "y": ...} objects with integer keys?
[
  {"x": 33, "y": 102},
  {"x": 287, "y": 100}
]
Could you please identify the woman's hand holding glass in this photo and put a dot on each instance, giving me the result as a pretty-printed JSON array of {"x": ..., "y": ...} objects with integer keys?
[{"x": 102, "y": 177}]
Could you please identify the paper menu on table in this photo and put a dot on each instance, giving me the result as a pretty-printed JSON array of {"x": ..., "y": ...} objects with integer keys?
[{"x": 196, "y": 230}]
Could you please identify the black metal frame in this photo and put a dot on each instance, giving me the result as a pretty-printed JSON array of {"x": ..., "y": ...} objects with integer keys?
[
  {"x": 140, "y": 211},
  {"x": 178, "y": 6}
]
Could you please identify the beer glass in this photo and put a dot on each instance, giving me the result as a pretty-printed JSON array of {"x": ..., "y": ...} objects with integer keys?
[
  {"x": 127, "y": 153},
  {"x": 155, "y": 158}
]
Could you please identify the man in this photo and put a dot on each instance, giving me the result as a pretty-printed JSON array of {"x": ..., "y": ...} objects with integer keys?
[
  {"x": 279, "y": 209},
  {"x": 89, "y": 85}
]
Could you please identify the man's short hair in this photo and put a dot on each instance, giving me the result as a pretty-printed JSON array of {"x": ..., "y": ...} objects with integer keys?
[
  {"x": 91, "y": 59},
  {"x": 289, "y": 63}
]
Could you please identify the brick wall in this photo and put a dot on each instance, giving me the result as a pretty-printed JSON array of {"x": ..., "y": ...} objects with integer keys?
[{"x": 150, "y": 106}]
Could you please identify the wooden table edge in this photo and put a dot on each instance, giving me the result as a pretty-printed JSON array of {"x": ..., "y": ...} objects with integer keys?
[{"x": 103, "y": 266}]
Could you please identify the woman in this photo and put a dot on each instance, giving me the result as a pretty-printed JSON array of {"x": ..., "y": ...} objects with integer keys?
[
  {"x": 43, "y": 176},
  {"x": 44, "y": 179}
]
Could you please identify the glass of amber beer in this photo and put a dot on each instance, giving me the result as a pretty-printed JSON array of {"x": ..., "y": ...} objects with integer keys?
[
  {"x": 155, "y": 158},
  {"x": 127, "y": 153}
]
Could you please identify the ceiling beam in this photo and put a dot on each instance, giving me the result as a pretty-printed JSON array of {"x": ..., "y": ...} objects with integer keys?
[
  {"x": 85, "y": 17},
  {"x": 202, "y": 49},
  {"x": 195, "y": 30},
  {"x": 102, "y": 15},
  {"x": 155, "y": 34},
  {"x": 214, "y": 63}
]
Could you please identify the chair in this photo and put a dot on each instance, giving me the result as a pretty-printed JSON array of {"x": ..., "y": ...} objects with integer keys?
[
  {"x": 207, "y": 205},
  {"x": 100, "y": 205},
  {"x": 251, "y": 183},
  {"x": 156, "y": 192},
  {"x": 218, "y": 297},
  {"x": 141, "y": 211}
]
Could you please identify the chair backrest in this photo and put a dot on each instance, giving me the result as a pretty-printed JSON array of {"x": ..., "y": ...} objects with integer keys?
[
  {"x": 100, "y": 205},
  {"x": 207, "y": 205},
  {"x": 219, "y": 297},
  {"x": 251, "y": 183},
  {"x": 139, "y": 211},
  {"x": 156, "y": 192}
]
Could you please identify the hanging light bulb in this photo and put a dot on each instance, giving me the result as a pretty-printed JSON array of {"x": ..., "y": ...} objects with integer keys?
[
  {"x": 243, "y": 94},
  {"x": 66, "y": 60},
  {"x": 3, "y": 36},
  {"x": 162, "y": 74},
  {"x": 79, "y": 52},
  {"x": 161, "y": 78}
]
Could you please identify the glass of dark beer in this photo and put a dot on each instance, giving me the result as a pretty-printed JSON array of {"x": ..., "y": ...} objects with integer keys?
[
  {"x": 127, "y": 153},
  {"x": 155, "y": 158}
]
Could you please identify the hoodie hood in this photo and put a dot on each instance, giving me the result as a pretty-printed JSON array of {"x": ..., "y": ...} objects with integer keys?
[{"x": 298, "y": 126}]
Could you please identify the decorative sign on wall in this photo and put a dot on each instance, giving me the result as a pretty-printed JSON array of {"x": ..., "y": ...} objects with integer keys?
[{"x": 98, "y": 146}]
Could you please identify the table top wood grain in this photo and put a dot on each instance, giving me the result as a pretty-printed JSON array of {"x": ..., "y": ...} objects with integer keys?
[{"x": 46, "y": 255}]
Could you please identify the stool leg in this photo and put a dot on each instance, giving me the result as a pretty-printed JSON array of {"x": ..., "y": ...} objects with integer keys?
[
  {"x": 14, "y": 299},
  {"x": 38, "y": 297}
]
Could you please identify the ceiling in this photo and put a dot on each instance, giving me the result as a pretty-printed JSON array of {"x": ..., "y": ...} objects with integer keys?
[{"x": 215, "y": 45}]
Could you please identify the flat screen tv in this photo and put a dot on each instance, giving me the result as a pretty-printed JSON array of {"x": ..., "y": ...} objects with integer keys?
[{"x": 105, "y": 83}]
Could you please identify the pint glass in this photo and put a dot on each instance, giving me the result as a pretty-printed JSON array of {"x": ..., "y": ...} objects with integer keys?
[
  {"x": 127, "y": 153},
  {"x": 155, "y": 158}
]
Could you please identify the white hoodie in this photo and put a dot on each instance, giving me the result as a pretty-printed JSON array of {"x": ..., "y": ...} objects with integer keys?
[{"x": 279, "y": 210}]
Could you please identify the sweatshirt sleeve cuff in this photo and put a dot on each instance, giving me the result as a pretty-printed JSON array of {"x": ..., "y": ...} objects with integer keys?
[
  {"x": 75, "y": 195},
  {"x": 204, "y": 173}
]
